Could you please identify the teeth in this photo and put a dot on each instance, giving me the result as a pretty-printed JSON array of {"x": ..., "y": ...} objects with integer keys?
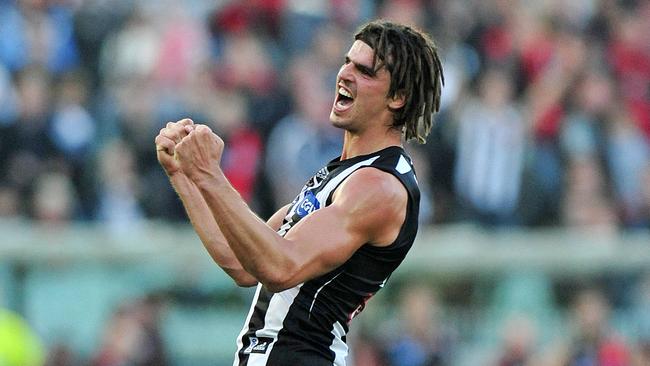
[{"x": 345, "y": 93}]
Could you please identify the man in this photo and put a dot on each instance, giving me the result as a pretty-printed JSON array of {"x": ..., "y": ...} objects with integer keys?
[{"x": 317, "y": 261}]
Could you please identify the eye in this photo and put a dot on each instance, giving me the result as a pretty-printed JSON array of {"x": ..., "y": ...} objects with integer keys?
[{"x": 366, "y": 71}]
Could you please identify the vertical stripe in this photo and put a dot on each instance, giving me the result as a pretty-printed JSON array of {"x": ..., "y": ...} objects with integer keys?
[
  {"x": 277, "y": 311},
  {"x": 338, "y": 346},
  {"x": 240, "y": 342},
  {"x": 296, "y": 330}
]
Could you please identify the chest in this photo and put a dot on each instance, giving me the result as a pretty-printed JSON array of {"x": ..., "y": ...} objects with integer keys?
[{"x": 313, "y": 196}]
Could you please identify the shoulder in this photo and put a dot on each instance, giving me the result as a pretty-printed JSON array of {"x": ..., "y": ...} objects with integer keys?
[
  {"x": 374, "y": 184},
  {"x": 373, "y": 200}
]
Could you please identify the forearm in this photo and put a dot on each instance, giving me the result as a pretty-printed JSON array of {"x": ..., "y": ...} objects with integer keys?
[
  {"x": 258, "y": 247},
  {"x": 208, "y": 231}
]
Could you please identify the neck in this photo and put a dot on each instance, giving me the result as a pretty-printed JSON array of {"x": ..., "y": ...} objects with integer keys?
[{"x": 355, "y": 144}]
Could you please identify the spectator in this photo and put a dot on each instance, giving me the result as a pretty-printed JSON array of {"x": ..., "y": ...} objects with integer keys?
[
  {"x": 628, "y": 154},
  {"x": 550, "y": 63},
  {"x": 8, "y": 101},
  {"x": 35, "y": 110},
  {"x": 491, "y": 141},
  {"x": 133, "y": 336},
  {"x": 545, "y": 122},
  {"x": 241, "y": 162},
  {"x": 582, "y": 129},
  {"x": 37, "y": 33},
  {"x": 54, "y": 201},
  {"x": 72, "y": 129},
  {"x": 132, "y": 51},
  {"x": 119, "y": 192},
  {"x": 248, "y": 57},
  {"x": 422, "y": 339},
  {"x": 519, "y": 342},
  {"x": 144, "y": 70},
  {"x": 585, "y": 205},
  {"x": 592, "y": 341}
]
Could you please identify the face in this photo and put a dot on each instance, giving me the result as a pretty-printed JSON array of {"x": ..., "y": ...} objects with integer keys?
[{"x": 361, "y": 93}]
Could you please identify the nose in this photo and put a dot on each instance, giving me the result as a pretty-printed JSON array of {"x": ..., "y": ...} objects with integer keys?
[{"x": 345, "y": 72}]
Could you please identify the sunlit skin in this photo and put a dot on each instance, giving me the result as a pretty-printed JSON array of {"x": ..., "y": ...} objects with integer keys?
[
  {"x": 369, "y": 207},
  {"x": 367, "y": 119},
  {"x": 354, "y": 220}
]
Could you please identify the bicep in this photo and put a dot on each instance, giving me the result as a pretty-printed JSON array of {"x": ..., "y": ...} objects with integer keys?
[
  {"x": 322, "y": 241},
  {"x": 369, "y": 207}
]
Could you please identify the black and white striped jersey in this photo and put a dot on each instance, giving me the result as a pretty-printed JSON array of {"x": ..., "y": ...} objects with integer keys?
[{"x": 307, "y": 324}]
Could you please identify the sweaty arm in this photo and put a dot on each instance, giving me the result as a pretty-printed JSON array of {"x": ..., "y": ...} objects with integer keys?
[
  {"x": 209, "y": 232},
  {"x": 369, "y": 207}
]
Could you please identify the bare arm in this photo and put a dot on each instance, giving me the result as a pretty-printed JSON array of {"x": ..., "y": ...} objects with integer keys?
[
  {"x": 368, "y": 208},
  {"x": 197, "y": 210},
  {"x": 208, "y": 231}
]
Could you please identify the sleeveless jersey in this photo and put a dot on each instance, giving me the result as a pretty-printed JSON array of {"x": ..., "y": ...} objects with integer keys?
[{"x": 307, "y": 324}]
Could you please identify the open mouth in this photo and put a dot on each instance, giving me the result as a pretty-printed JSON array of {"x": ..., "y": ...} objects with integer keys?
[{"x": 344, "y": 99}]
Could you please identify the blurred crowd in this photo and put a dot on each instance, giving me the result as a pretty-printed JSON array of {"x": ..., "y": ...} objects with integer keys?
[
  {"x": 545, "y": 117},
  {"x": 423, "y": 331},
  {"x": 545, "y": 121}
]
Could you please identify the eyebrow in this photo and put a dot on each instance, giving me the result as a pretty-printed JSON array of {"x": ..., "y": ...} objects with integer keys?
[{"x": 361, "y": 67}]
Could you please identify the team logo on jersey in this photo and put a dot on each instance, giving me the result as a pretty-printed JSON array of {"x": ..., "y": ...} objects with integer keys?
[
  {"x": 317, "y": 179},
  {"x": 258, "y": 345},
  {"x": 308, "y": 204},
  {"x": 322, "y": 173}
]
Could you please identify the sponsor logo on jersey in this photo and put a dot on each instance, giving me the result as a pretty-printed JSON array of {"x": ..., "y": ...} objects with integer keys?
[
  {"x": 302, "y": 206},
  {"x": 308, "y": 204},
  {"x": 258, "y": 345}
]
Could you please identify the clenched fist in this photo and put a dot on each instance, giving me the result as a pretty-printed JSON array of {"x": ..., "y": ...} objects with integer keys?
[
  {"x": 166, "y": 142},
  {"x": 199, "y": 153}
]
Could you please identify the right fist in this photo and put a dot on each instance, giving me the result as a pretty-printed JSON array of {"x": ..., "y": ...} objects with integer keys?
[{"x": 166, "y": 142}]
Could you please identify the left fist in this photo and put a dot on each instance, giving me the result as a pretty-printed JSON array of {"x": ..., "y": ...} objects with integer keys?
[{"x": 199, "y": 153}]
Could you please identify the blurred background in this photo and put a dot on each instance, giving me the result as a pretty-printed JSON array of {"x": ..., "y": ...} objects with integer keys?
[{"x": 535, "y": 240}]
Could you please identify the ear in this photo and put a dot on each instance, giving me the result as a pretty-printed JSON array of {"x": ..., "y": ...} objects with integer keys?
[{"x": 397, "y": 101}]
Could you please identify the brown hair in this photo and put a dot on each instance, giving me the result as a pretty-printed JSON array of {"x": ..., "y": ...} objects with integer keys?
[{"x": 415, "y": 69}]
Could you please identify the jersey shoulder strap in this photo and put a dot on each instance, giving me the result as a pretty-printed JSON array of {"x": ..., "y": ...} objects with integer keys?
[{"x": 393, "y": 160}]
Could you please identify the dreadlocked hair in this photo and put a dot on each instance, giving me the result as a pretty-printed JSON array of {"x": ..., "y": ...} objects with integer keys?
[{"x": 415, "y": 69}]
